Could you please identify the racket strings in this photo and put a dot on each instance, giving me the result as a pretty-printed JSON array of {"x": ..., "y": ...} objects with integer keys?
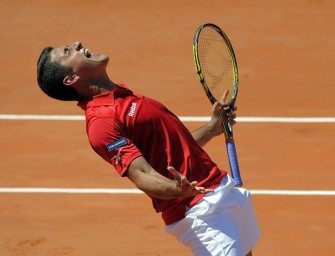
[{"x": 215, "y": 61}]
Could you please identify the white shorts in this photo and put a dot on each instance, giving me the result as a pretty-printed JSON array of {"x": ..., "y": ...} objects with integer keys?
[{"x": 222, "y": 223}]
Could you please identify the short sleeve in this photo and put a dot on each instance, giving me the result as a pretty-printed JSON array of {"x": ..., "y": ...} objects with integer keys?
[{"x": 108, "y": 137}]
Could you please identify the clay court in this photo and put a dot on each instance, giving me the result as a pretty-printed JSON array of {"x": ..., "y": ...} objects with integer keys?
[{"x": 285, "y": 52}]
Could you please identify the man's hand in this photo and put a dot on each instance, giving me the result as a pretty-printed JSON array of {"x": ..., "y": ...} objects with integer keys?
[
  {"x": 215, "y": 123},
  {"x": 187, "y": 188},
  {"x": 214, "y": 127}
]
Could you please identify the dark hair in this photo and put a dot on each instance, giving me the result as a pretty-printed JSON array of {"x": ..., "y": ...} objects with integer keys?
[{"x": 50, "y": 76}]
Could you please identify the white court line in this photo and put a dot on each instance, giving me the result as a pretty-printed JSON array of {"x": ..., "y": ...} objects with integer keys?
[
  {"x": 137, "y": 191},
  {"x": 43, "y": 117},
  {"x": 182, "y": 118}
]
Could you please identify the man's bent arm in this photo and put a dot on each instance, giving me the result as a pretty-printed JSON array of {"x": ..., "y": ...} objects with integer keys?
[{"x": 156, "y": 185}]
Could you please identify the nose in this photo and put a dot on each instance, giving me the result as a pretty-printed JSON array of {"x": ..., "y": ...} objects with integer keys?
[{"x": 77, "y": 45}]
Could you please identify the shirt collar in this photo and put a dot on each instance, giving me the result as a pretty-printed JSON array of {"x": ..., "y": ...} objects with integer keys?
[{"x": 106, "y": 99}]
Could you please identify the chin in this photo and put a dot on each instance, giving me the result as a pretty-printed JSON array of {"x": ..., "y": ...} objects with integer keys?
[{"x": 103, "y": 59}]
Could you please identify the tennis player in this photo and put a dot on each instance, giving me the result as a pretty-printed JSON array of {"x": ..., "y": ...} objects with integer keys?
[{"x": 147, "y": 143}]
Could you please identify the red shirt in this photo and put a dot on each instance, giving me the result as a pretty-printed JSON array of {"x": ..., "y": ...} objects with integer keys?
[{"x": 122, "y": 125}]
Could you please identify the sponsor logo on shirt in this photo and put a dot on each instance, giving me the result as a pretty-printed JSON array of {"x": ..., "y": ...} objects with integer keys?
[
  {"x": 116, "y": 144},
  {"x": 132, "y": 109},
  {"x": 117, "y": 157}
]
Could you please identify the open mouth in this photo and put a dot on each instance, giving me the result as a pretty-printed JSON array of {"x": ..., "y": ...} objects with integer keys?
[{"x": 87, "y": 53}]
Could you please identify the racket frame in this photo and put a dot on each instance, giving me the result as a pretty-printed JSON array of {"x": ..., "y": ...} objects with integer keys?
[{"x": 226, "y": 127}]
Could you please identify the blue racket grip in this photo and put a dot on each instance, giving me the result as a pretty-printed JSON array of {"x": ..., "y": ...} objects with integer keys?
[{"x": 233, "y": 162}]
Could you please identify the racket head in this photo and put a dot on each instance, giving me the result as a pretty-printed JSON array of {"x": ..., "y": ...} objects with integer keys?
[
  {"x": 215, "y": 63},
  {"x": 216, "y": 67}
]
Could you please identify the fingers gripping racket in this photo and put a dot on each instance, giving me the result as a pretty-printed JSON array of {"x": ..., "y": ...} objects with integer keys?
[{"x": 217, "y": 69}]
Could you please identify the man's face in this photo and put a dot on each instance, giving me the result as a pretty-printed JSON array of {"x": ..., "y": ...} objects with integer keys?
[{"x": 80, "y": 60}]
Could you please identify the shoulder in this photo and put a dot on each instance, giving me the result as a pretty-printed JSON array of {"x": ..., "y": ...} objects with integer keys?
[{"x": 104, "y": 127}]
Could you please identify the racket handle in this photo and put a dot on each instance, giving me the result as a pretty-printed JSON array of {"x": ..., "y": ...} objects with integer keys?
[{"x": 233, "y": 162}]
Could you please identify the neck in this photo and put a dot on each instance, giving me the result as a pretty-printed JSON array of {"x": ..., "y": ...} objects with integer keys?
[{"x": 96, "y": 87}]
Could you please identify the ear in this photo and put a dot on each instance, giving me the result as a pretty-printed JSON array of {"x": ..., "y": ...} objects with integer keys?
[{"x": 70, "y": 80}]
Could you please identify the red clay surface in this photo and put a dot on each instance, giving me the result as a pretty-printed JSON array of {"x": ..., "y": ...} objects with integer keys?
[{"x": 285, "y": 51}]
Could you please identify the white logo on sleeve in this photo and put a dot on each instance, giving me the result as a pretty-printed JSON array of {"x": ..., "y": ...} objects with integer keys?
[
  {"x": 132, "y": 109},
  {"x": 117, "y": 157}
]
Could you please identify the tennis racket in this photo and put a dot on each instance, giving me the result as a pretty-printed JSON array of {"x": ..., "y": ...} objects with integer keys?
[{"x": 217, "y": 69}]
